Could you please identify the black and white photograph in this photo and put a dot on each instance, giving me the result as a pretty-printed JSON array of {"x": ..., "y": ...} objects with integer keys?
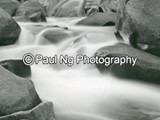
[{"x": 79, "y": 59}]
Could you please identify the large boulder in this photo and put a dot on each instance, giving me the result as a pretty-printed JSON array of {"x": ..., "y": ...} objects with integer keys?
[
  {"x": 145, "y": 69},
  {"x": 9, "y": 29},
  {"x": 17, "y": 67},
  {"x": 9, "y": 6},
  {"x": 31, "y": 11},
  {"x": 140, "y": 19},
  {"x": 16, "y": 93},
  {"x": 67, "y": 8},
  {"x": 99, "y": 19},
  {"x": 43, "y": 111}
]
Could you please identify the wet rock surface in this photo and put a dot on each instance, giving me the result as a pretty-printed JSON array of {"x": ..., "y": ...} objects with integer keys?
[
  {"x": 17, "y": 94},
  {"x": 9, "y": 29},
  {"x": 9, "y": 6},
  {"x": 146, "y": 68},
  {"x": 140, "y": 19},
  {"x": 17, "y": 67},
  {"x": 99, "y": 19},
  {"x": 31, "y": 11},
  {"x": 43, "y": 111}
]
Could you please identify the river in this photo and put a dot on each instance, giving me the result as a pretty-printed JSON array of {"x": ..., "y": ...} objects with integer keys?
[{"x": 81, "y": 92}]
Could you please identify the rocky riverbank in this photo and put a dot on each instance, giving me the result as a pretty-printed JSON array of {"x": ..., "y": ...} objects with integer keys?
[{"x": 138, "y": 19}]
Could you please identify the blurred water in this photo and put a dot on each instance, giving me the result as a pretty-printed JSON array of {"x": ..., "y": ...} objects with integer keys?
[{"x": 81, "y": 92}]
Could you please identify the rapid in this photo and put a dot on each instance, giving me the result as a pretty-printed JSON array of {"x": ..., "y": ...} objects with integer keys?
[{"x": 81, "y": 92}]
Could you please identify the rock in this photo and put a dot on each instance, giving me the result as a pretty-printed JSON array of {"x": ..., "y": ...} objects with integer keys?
[
  {"x": 109, "y": 5},
  {"x": 31, "y": 11},
  {"x": 57, "y": 35},
  {"x": 92, "y": 3},
  {"x": 118, "y": 36},
  {"x": 64, "y": 8},
  {"x": 21, "y": 1},
  {"x": 9, "y": 6},
  {"x": 49, "y": 5},
  {"x": 91, "y": 6},
  {"x": 140, "y": 20},
  {"x": 43, "y": 111},
  {"x": 146, "y": 68},
  {"x": 9, "y": 29},
  {"x": 17, "y": 94},
  {"x": 17, "y": 67},
  {"x": 99, "y": 19},
  {"x": 92, "y": 10},
  {"x": 67, "y": 8}
]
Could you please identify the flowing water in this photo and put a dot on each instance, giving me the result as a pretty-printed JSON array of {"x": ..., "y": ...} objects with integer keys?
[{"x": 80, "y": 92}]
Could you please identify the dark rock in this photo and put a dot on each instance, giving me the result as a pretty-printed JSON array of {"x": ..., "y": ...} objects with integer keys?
[
  {"x": 43, "y": 111},
  {"x": 118, "y": 36},
  {"x": 9, "y": 6},
  {"x": 31, "y": 11},
  {"x": 109, "y": 24},
  {"x": 140, "y": 19},
  {"x": 65, "y": 8},
  {"x": 146, "y": 68},
  {"x": 21, "y": 1},
  {"x": 17, "y": 67},
  {"x": 66, "y": 28},
  {"x": 99, "y": 19},
  {"x": 16, "y": 93},
  {"x": 9, "y": 29}
]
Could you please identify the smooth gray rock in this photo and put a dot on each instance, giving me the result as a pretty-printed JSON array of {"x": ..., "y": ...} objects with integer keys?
[
  {"x": 16, "y": 93},
  {"x": 140, "y": 20},
  {"x": 9, "y": 6},
  {"x": 9, "y": 29},
  {"x": 43, "y": 111},
  {"x": 31, "y": 11},
  {"x": 67, "y": 8},
  {"x": 17, "y": 67},
  {"x": 146, "y": 68},
  {"x": 99, "y": 19}
]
